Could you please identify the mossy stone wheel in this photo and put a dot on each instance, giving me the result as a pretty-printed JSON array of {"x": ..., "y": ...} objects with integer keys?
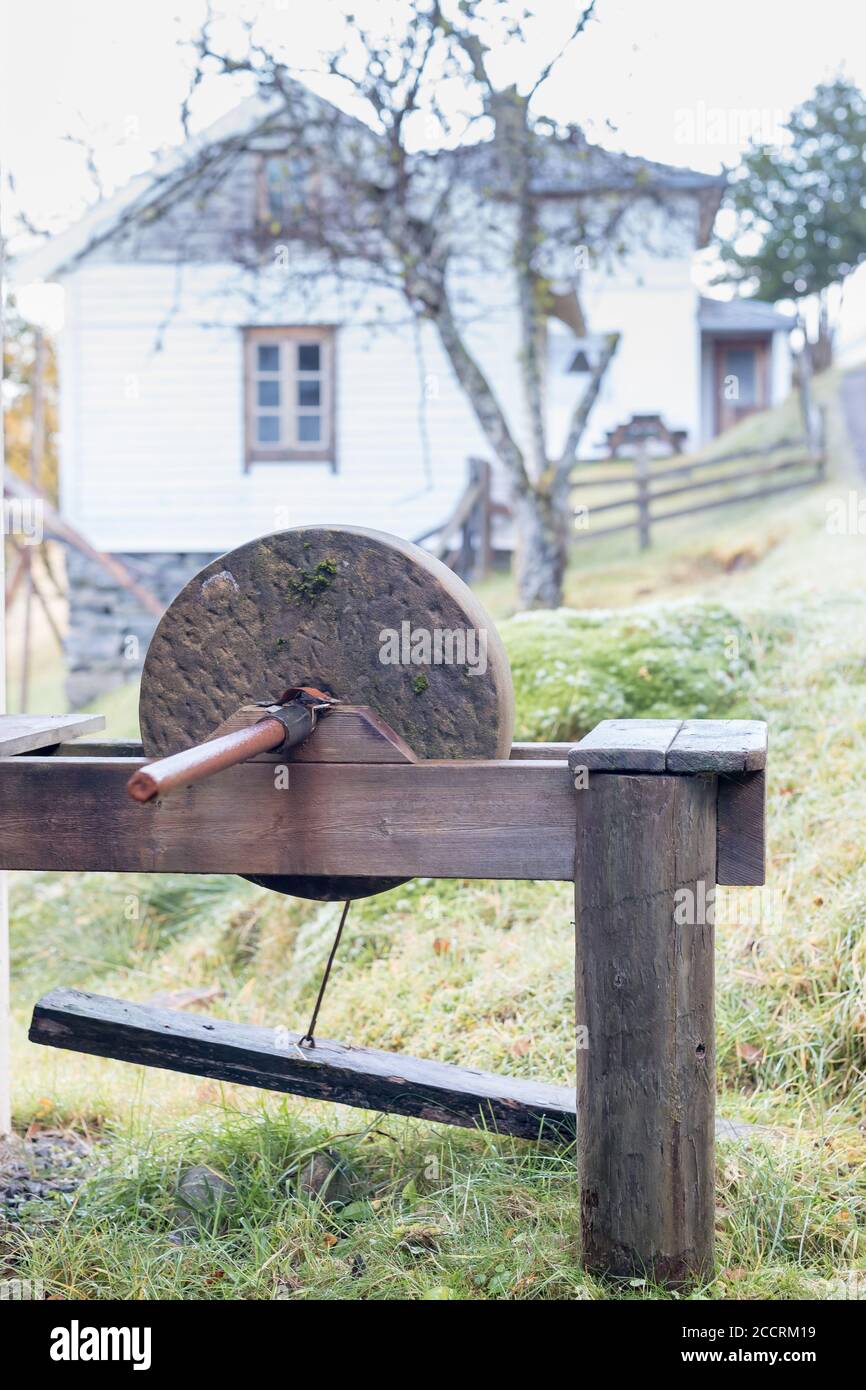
[{"x": 331, "y": 607}]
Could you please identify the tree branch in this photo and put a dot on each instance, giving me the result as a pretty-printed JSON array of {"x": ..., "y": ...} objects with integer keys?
[
  {"x": 582, "y": 410},
  {"x": 482, "y": 397}
]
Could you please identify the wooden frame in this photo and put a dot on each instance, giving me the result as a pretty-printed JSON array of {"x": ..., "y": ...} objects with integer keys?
[
  {"x": 643, "y": 816},
  {"x": 761, "y": 345},
  {"x": 324, "y": 337}
]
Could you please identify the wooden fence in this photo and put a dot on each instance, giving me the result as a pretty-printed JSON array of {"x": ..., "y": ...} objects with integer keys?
[
  {"x": 463, "y": 541},
  {"x": 744, "y": 475}
]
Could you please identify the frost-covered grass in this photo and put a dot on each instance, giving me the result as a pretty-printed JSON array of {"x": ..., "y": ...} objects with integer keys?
[
  {"x": 482, "y": 973},
  {"x": 572, "y": 669}
]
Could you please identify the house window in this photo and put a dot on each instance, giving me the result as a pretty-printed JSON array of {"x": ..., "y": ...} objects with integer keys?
[{"x": 289, "y": 395}]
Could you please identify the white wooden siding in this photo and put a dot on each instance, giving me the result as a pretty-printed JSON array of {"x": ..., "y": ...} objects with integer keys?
[
  {"x": 152, "y": 397},
  {"x": 153, "y": 419}
]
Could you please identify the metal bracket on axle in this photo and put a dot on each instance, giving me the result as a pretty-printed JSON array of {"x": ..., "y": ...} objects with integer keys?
[{"x": 282, "y": 726}]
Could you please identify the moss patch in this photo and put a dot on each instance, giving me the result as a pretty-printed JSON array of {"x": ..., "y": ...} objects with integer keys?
[
  {"x": 673, "y": 661},
  {"x": 309, "y": 584}
]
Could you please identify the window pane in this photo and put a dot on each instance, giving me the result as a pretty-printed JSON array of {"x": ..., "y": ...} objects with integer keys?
[
  {"x": 308, "y": 392},
  {"x": 308, "y": 357},
  {"x": 268, "y": 392},
  {"x": 268, "y": 429},
  {"x": 740, "y": 363},
  {"x": 310, "y": 428},
  {"x": 268, "y": 357}
]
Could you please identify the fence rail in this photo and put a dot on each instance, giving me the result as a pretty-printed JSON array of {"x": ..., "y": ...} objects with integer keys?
[
  {"x": 772, "y": 476},
  {"x": 464, "y": 540}
]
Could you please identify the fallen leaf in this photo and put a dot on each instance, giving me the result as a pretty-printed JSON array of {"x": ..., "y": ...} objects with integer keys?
[
  {"x": 521, "y": 1046},
  {"x": 441, "y": 945},
  {"x": 747, "y": 1052}
]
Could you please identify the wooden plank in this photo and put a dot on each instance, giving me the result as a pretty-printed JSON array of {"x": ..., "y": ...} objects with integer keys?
[
  {"x": 23, "y": 733},
  {"x": 625, "y": 745},
  {"x": 132, "y": 748},
  {"x": 272, "y": 1059},
  {"x": 101, "y": 748},
  {"x": 439, "y": 819},
  {"x": 644, "y": 995},
  {"x": 740, "y": 830},
  {"x": 128, "y": 748},
  {"x": 719, "y": 745},
  {"x": 535, "y": 752},
  {"x": 174, "y": 1040}
]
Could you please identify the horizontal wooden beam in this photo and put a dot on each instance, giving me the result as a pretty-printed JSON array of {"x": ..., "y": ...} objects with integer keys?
[
  {"x": 274, "y": 1060},
  {"x": 441, "y": 819},
  {"x": 626, "y": 745},
  {"x": 129, "y": 748},
  {"x": 673, "y": 745},
  {"x": 24, "y": 733},
  {"x": 719, "y": 745}
]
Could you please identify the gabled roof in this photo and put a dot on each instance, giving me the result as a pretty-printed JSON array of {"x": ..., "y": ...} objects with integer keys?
[
  {"x": 568, "y": 166},
  {"x": 742, "y": 316},
  {"x": 101, "y": 220}
]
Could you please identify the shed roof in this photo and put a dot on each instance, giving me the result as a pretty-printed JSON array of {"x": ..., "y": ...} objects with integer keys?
[{"x": 742, "y": 316}]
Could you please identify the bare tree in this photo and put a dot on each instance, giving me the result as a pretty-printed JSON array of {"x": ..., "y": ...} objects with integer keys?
[{"x": 419, "y": 171}]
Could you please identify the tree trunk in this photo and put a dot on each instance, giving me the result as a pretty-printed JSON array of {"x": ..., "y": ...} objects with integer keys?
[
  {"x": 821, "y": 351},
  {"x": 542, "y": 550}
]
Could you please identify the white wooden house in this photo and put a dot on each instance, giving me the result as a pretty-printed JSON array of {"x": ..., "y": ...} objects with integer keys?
[{"x": 203, "y": 403}]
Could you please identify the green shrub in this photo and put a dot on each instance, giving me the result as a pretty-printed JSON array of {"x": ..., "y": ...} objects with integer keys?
[{"x": 679, "y": 660}]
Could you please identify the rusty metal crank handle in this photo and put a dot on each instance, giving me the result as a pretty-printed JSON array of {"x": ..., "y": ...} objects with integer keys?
[{"x": 283, "y": 726}]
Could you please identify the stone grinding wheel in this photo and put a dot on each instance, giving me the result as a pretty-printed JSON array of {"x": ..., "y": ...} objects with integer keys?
[{"x": 306, "y": 607}]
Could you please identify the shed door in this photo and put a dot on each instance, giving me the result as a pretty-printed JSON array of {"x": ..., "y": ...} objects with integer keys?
[{"x": 742, "y": 385}]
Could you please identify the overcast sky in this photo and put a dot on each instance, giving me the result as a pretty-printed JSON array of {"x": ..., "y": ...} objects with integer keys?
[{"x": 684, "y": 81}]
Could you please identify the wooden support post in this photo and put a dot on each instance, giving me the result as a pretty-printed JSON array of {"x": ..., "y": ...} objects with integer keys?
[
  {"x": 479, "y": 474},
  {"x": 641, "y": 473},
  {"x": 644, "y": 867}
]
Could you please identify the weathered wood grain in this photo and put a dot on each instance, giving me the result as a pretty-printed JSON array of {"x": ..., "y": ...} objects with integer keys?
[
  {"x": 447, "y": 820},
  {"x": 22, "y": 733},
  {"x": 625, "y": 745},
  {"x": 645, "y": 1079},
  {"x": 332, "y": 1071},
  {"x": 719, "y": 745},
  {"x": 740, "y": 830},
  {"x": 174, "y": 1040}
]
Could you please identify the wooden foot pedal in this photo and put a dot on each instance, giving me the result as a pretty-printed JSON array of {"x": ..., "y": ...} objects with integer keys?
[{"x": 273, "y": 1059}]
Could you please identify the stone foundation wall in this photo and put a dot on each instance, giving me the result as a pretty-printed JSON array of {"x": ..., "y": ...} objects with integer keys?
[{"x": 108, "y": 630}]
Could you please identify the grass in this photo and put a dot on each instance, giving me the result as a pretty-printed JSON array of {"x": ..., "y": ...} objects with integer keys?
[{"x": 775, "y": 612}]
